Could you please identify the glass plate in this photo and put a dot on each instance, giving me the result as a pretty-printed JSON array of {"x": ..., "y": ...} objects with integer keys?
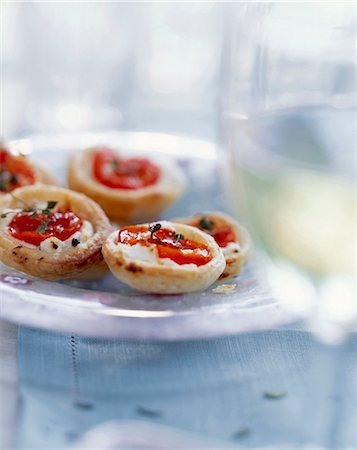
[{"x": 109, "y": 309}]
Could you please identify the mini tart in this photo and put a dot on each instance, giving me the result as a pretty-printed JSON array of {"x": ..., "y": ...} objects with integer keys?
[
  {"x": 140, "y": 266},
  {"x": 232, "y": 237},
  {"x": 126, "y": 205},
  {"x": 17, "y": 171},
  {"x": 79, "y": 256}
]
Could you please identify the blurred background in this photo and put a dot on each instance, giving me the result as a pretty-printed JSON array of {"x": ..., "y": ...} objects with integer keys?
[
  {"x": 164, "y": 66},
  {"x": 93, "y": 66}
]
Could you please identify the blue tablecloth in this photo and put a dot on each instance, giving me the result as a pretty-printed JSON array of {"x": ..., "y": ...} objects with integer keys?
[{"x": 250, "y": 390}]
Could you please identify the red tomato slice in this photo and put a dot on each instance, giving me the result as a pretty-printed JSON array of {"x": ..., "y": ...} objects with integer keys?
[
  {"x": 34, "y": 230},
  {"x": 119, "y": 173},
  {"x": 168, "y": 244},
  {"x": 14, "y": 172},
  {"x": 224, "y": 235}
]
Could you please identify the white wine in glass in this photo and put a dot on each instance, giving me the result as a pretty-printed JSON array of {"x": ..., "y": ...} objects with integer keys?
[
  {"x": 292, "y": 172},
  {"x": 290, "y": 127}
]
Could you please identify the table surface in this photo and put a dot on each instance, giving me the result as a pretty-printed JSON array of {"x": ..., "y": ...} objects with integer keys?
[
  {"x": 8, "y": 383},
  {"x": 246, "y": 391}
]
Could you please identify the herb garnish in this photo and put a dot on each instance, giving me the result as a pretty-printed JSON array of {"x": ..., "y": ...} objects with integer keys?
[
  {"x": 47, "y": 212},
  {"x": 154, "y": 228},
  {"x": 43, "y": 227},
  {"x": 206, "y": 224},
  {"x": 178, "y": 237},
  {"x": 34, "y": 212},
  {"x": 274, "y": 395},
  {"x": 50, "y": 205}
]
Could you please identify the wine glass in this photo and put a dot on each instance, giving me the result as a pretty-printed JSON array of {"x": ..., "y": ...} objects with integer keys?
[{"x": 289, "y": 122}]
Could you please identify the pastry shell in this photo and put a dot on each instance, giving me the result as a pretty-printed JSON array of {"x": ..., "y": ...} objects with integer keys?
[
  {"x": 80, "y": 261},
  {"x": 41, "y": 174},
  {"x": 235, "y": 259},
  {"x": 123, "y": 205},
  {"x": 162, "y": 278}
]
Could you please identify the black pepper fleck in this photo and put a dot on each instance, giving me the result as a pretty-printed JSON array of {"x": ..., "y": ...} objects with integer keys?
[{"x": 75, "y": 242}]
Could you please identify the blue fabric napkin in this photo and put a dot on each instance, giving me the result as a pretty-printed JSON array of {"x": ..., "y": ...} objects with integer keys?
[{"x": 251, "y": 390}]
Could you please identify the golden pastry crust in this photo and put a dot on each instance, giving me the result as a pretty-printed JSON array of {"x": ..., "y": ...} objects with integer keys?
[
  {"x": 72, "y": 262},
  {"x": 162, "y": 278},
  {"x": 235, "y": 258},
  {"x": 123, "y": 205}
]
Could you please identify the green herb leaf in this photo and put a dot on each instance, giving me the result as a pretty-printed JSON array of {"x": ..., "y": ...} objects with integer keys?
[
  {"x": 34, "y": 214},
  {"x": 274, "y": 395},
  {"x": 51, "y": 204},
  {"x": 206, "y": 224},
  {"x": 43, "y": 227}
]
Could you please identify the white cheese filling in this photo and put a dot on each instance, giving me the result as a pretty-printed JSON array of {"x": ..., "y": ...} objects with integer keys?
[
  {"x": 53, "y": 244},
  {"x": 148, "y": 254},
  {"x": 169, "y": 171}
]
